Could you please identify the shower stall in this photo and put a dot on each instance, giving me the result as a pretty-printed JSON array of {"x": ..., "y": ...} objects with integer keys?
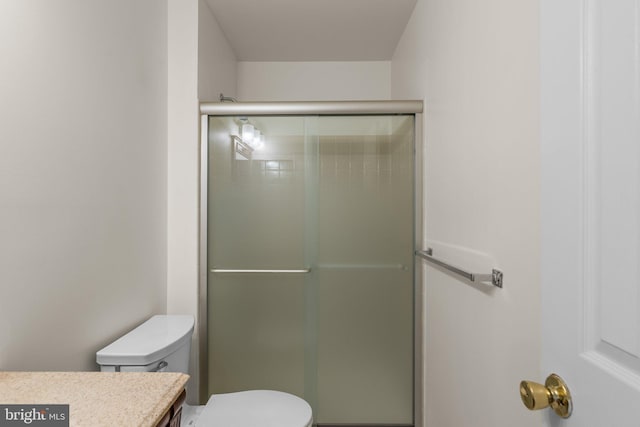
[{"x": 310, "y": 220}]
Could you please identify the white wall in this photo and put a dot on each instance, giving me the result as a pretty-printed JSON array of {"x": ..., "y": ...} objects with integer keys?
[
  {"x": 182, "y": 164},
  {"x": 82, "y": 177},
  {"x": 201, "y": 64},
  {"x": 314, "y": 81},
  {"x": 475, "y": 64},
  {"x": 217, "y": 64}
]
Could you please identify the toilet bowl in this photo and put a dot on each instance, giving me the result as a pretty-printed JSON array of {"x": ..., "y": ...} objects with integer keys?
[{"x": 162, "y": 344}]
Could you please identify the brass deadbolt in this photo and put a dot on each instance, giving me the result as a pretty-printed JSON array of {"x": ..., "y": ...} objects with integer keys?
[{"x": 554, "y": 393}]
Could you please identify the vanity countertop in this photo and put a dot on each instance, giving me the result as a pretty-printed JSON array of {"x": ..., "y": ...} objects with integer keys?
[{"x": 136, "y": 399}]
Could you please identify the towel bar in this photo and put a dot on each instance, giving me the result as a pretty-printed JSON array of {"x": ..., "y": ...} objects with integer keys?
[{"x": 495, "y": 277}]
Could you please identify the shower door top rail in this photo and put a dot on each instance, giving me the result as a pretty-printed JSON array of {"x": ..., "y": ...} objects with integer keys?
[{"x": 310, "y": 108}]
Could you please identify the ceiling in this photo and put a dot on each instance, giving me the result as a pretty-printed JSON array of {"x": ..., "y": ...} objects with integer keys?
[{"x": 313, "y": 30}]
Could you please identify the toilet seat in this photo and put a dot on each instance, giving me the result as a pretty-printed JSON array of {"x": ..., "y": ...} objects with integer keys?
[{"x": 255, "y": 408}]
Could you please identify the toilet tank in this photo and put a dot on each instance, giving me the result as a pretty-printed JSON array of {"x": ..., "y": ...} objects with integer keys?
[{"x": 161, "y": 344}]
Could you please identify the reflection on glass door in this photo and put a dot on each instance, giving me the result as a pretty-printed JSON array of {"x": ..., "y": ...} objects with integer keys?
[{"x": 310, "y": 252}]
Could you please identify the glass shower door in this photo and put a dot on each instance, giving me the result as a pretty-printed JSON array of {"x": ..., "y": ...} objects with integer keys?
[
  {"x": 365, "y": 270},
  {"x": 310, "y": 253},
  {"x": 258, "y": 264}
]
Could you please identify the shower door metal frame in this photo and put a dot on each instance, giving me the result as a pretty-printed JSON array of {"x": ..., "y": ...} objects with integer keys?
[{"x": 319, "y": 108}]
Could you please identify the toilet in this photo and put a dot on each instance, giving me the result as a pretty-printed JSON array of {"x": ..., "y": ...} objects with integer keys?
[{"x": 163, "y": 343}]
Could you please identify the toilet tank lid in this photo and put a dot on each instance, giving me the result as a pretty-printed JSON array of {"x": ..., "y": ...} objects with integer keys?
[{"x": 155, "y": 339}]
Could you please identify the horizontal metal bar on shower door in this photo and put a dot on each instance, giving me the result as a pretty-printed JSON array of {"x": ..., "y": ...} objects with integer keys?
[
  {"x": 293, "y": 271},
  {"x": 363, "y": 266},
  {"x": 310, "y": 108},
  {"x": 495, "y": 278}
]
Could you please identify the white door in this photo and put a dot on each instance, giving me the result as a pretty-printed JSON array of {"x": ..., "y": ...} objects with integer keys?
[{"x": 590, "y": 145}]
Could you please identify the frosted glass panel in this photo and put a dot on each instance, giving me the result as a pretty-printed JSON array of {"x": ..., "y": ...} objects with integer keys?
[
  {"x": 365, "y": 268},
  {"x": 256, "y": 221},
  {"x": 336, "y": 195}
]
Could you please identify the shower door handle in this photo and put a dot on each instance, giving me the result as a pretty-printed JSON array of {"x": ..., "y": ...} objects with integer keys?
[{"x": 293, "y": 271}]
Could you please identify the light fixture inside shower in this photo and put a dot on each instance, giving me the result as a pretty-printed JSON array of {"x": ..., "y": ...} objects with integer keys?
[
  {"x": 251, "y": 135},
  {"x": 248, "y": 132},
  {"x": 259, "y": 143}
]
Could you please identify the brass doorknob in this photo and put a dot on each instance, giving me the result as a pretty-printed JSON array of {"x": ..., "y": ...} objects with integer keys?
[{"x": 554, "y": 393}]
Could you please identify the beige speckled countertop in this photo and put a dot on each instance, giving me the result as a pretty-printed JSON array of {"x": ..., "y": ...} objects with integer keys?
[{"x": 136, "y": 399}]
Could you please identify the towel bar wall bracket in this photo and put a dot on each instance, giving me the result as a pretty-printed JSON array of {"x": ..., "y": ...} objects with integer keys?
[{"x": 495, "y": 278}]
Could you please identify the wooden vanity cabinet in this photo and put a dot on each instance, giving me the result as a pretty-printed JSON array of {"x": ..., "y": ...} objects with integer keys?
[{"x": 173, "y": 415}]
